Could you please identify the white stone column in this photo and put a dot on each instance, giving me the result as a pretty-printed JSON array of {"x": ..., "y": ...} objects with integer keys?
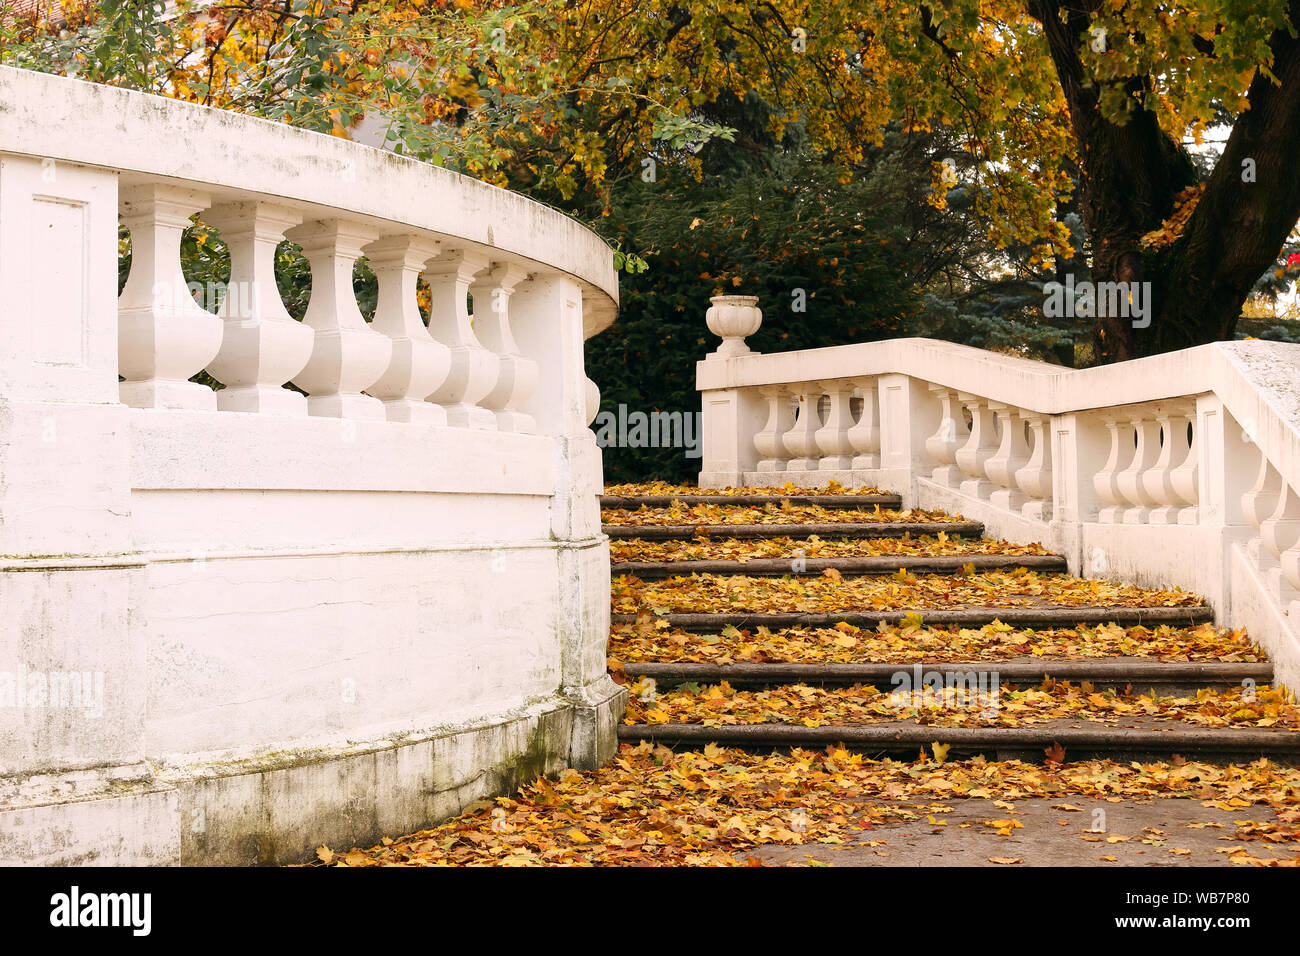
[
  {"x": 262, "y": 347},
  {"x": 731, "y": 419},
  {"x": 474, "y": 370},
  {"x": 163, "y": 336},
  {"x": 418, "y": 364},
  {"x": 347, "y": 354},
  {"x": 518, "y": 375},
  {"x": 546, "y": 318},
  {"x": 70, "y": 582}
]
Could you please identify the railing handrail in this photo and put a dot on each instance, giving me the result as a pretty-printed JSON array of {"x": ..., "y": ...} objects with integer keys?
[
  {"x": 1258, "y": 381},
  {"x": 229, "y": 153}
]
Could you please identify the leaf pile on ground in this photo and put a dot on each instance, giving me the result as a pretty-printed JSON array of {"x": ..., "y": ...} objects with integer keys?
[
  {"x": 829, "y": 592},
  {"x": 653, "y": 639},
  {"x": 663, "y": 488},
  {"x": 740, "y": 549},
  {"x": 654, "y": 807},
  {"x": 957, "y": 706},
  {"x": 769, "y": 514}
]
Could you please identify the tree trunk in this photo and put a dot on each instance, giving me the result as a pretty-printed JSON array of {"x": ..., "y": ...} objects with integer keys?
[{"x": 1131, "y": 175}]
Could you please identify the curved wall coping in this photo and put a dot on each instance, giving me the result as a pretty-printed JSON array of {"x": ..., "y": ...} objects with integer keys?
[{"x": 149, "y": 138}]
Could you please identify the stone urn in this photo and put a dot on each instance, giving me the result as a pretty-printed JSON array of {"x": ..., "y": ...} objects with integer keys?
[{"x": 732, "y": 317}]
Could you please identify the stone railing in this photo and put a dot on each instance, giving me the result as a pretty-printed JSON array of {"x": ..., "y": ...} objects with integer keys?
[
  {"x": 237, "y": 624},
  {"x": 1177, "y": 470}
]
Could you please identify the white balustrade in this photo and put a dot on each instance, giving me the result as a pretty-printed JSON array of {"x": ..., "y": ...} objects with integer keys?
[
  {"x": 262, "y": 347},
  {"x": 519, "y": 375},
  {"x": 1139, "y": 471},
  {"x": 347, "y": 354},
  {"x": 302, "y": 580},
  {"x": 474, "y": 370},
  {"x": 418, "y": 364},
  {"x": 164, "y": 336}
]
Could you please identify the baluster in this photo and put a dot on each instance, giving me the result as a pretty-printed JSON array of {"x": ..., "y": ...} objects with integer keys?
[
  {"x": 591, "y": 400},
  {"x": 1279, "y": 533},
  {"x": 1158, "y": 481},
  {"x": 801, "y": 439},
  {"x": 833, "y": 437},
  {"x": 864, "y": 435},
  {"x": 1258, "y": 504},
  {"x": 1185, "y": 481},
  {"x": 262, "y": 347},
  {"x": 1034, "y": 478},
  {"x": 519, "y": 376},
  {"x": 1011, "y": 456},
  {"x": 418, "y": 364},
  {"x": 474, "y": 370},
  {"x": 980, "y": 446},
  {"x": 950, "y": 436},
  {"x": 163, "y": 335},
  {"x": 347, "y": 355},
  {"x": 1129, "y": 481},
  {"x": 1106, "y": 481},
  {"x": 780, "y": 417}
]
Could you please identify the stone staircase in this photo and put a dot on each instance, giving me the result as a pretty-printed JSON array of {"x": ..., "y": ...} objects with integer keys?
[{"x": 779, "y": 619}]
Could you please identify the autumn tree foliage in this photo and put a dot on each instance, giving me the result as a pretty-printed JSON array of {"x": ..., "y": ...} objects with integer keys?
[{"x": 1089, "y": 108}]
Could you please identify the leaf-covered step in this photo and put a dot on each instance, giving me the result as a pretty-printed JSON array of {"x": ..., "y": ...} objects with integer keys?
[
  {"x": 847, "y": 567},
  {"x": 650, "y": 640},
  {"x": 790, "y": 549},
  {"x": 905, "y": 739},
  {"x": 845, "y": 529},
  {"x": 665, "y": 489},
  {"x": 830, "y": 592},
  {"x": 844, "y": 502},
  {"x": 1168, "y": 678},
  {"x": 1035, "y": 617},
  {"x": 776, "y": 513}
]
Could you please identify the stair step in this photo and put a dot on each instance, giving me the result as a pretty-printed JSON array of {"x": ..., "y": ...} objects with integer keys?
[
  {"x": 843, "y": 502},
  {"x": 872, "y": 529},
  {"x": 964, "y": 617},
  {"x": 848, "y": 567},
  {"x": 905, "y": 738},
  {"x": 1169, "y": 678}
]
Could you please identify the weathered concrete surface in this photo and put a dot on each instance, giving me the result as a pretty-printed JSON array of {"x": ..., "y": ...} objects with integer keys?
[{"x": 1049, "y": 836}]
